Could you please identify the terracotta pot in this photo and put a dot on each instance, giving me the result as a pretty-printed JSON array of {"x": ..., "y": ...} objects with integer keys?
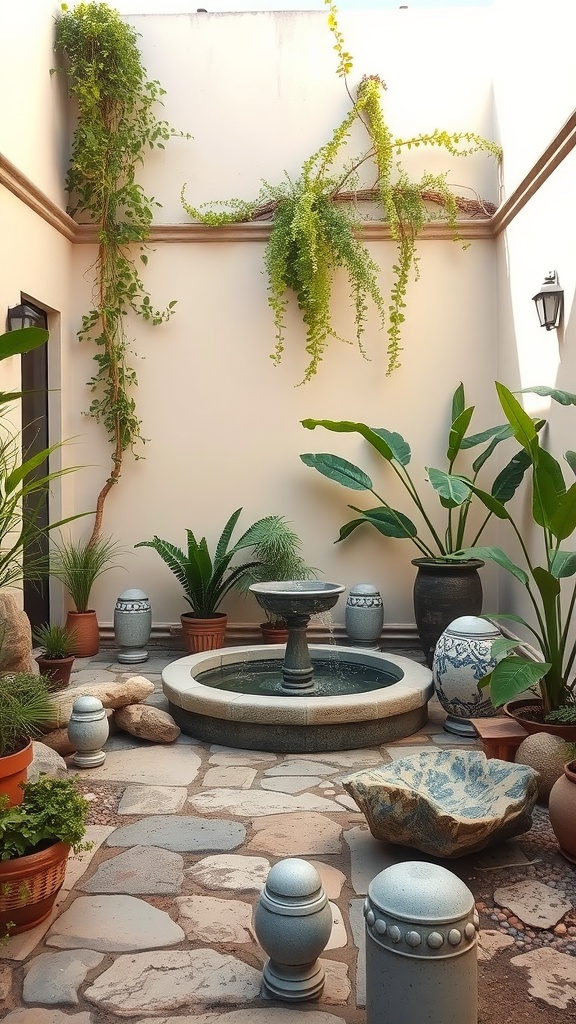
[
  {"x": 514, "y": 710},
  {"x": 58, "y": 670},
  {"x": 443, "y": 591},
  {"x": 562, "y": 808},
  {"x": 203, "y": 634},
  {"x": 13, "y": 771},
  {"x": 29, "y": 886},
  {"x": 84, "y": 626},
  {"x": 272, "y": 634}
]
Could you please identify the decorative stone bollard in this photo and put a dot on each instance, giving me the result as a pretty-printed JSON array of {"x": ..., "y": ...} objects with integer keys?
[
  {"x": 293, "y": 923},
  {"x": 132, "y": 625},
  {"x": 87, "y": 732},
  {"x": 421, "y": 958},
  {"x": 364, "y": 616}
]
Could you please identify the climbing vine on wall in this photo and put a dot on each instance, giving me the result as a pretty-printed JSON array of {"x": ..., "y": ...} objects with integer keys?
[
  {"x": 317, "y": 225},
  {"x": 116, "y": 125}
]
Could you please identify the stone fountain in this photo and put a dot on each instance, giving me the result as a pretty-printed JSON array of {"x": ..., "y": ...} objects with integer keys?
[{"x": 304, "y": 698}]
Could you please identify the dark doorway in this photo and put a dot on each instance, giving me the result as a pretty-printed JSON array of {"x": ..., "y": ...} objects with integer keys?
[{"x": 35, "y": 439}]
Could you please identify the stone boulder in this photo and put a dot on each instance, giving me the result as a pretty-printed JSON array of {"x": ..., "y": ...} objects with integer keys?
[
  {"x": 46, "y": 762},
  {"x": 15, "y": 638},
  {"x": 112, "y": 695},
  {"x": 58, "y": 741},
  {"x": 147, "y": 723}
]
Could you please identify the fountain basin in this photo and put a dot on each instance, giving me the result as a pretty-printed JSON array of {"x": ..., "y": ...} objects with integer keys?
[{"x": 298, "y": 723}]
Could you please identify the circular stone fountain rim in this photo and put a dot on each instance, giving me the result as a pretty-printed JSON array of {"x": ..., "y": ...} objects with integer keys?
[
  {"x": 307, "y": 588},
  {"x": 413, "y": 689}
]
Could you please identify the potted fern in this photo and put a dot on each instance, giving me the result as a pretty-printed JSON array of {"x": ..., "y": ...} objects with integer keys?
[
  {"x": 78, "y": 564},
  {"x": 25, "y": 705},
  {"x": 57, "y": 651}
]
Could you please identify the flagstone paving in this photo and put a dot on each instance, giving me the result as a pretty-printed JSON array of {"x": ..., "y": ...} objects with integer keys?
[{"x": 154, "y": 924}]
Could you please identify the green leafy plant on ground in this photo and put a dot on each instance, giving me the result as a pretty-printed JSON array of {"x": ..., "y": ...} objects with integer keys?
[
  {"x": 116, "y": 124},
  {"x": 316, "y": 223},
  {"x": 53, "y": 810}
]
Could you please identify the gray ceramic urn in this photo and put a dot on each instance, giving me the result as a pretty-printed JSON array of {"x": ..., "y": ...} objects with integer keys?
[
  {"x": 132, "y": 626},
  {"x": 88, "y": 731},
  {"x": 364, "y": 616}
]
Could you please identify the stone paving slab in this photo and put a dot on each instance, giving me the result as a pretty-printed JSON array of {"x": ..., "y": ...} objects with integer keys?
[
  {"x": 551, "y": 977},
  {"x": 78, "y": 863},
  {"x": 230, "y": 871},
  {"x": 142, "y": 870},
  {"x": 256, "y": 1015},
  {"x": 180, "y": 834},
  {"x": 231, "y": 756},
  {"x": 343, "y": 758},
  {"x": 293, "y": 784},
  {"x": 332, "y": 878},
  {"x": 536, "y": 904},
  {"x": 55, "y": 978},
  {"x": 113, "y": 924},
  {"x": 152, "y": 800},
  {"x": 257, "y": 803},
  {"x": 162, "y": 981},
  {"x": 491, "y": 942},
  {"x": 358, "y": 927},
  {"x": 295, "y": 835},
  {"x": 236, "y": 776},
  {"x": 37, "y": 1015},
  {"x": 209, "y": 919},
  {"x": 176, "y": 765},
  {"x": 338, "y": 936},
  {"x": 368, "y": 857},
  {"x": 304, "y": 767}
]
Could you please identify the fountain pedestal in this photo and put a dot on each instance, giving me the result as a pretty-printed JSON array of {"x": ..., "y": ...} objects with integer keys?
[{"x": 297, "y": 670}]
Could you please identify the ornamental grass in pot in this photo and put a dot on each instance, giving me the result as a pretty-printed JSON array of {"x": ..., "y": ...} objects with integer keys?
[
  {"x": 35, "y": 840},
  {"x": 435, "y": 604},
  {"x": 78, "y": 564},
  {"x": 25, "y": 706},
  {"x": 57, "y": 652}
]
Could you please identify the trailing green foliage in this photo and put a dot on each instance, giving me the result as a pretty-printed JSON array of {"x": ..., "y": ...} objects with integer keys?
[
  {"x": 53, "y": 810},
  {"x": 116, "y": 124},
  {"x": 456, "y": 493},
  {"x": 78, "y": 564},
  {"x": 554, "y": 516},
  {"x": 25, "y": 706},
  {"x": 312, "y": 237}
]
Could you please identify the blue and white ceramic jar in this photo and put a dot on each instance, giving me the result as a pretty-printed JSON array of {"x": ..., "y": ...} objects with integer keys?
[
  {"x": 364, "y": 616},
  {"x": 463, "y": 656}
]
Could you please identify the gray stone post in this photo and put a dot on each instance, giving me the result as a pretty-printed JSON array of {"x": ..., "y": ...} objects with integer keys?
[
  {"x": 421, "y": 958},
  {"x": 87, "y": 732}
]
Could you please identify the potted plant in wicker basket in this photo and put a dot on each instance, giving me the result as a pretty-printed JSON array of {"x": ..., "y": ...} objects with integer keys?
[
  {"x": 25, "y": 705},
  {"x": 35, "y": 839},
  {"x": 57, "y": 651}
]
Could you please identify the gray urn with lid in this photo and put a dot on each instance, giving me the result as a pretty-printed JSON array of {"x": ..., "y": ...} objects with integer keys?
[
  {"x": 421, "y": 957},
  {"x": 364, "y": 616},
  {"x": 132, "y": 626},
  {"x": 88, "y": 731},
  {"x": 293, "y": 923}
]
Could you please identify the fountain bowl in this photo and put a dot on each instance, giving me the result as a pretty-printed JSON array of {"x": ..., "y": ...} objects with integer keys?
[
  {"x": 297, "y": 597},
  {"x": 297, "y": 723}
]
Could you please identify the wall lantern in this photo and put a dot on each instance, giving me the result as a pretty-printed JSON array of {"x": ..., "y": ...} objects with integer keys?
[
  {"x": 549, "y": 301},
  {"x": 25, "y": 315}
]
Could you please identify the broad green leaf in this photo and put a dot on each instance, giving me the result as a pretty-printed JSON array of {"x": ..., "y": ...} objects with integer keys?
[
  {"x": 521, "y": 423},
  {"x": 563, "y": 523},
  {"x": 503, "y": 646},
  {"x": 457, "y": 431},
  {"x": 485, "y": 455},
  {"x": 514, "y": 675},
  {"x": 548, "y": 585},
  {"x": 225, "y": 536},
  {"x": 26, "y": 339},
  {"x": 562, "y": 397},
  {"x": 513, "y": 618},
  {"x": 563, "y": 564},
  {"x": 545, "y": 500},
  {"x": 347, "y": 427},
  {"x": 509, "y": 479},
  {"x": 349, "y": 528},
  {"x": 340, "y": 470},
  {"x": 571, "y": 460},
  {"x": 388, "y": 521},
  {"x": 458, "y": 402},
  {"x": 451, "y": 488},
  {"x": 490, "y": 501},
  {"x": 499, "y": 433},
  {"x": 498, "y": 556},
  {"x": 398, "y": 446}
]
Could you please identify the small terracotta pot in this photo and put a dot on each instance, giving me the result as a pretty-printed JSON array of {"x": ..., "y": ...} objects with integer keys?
[
  {"x": 272, "y": 634},
  {"x": 562, "y": 809},
  {"x": 514, "y": 710},
  {"x": 84, "y": 626},
  {"x": 58, "y": 670},
  {"x": 13, "y": 771},
  {"x": 203, "y": 634},
  {"x": 29, "y": 886}
]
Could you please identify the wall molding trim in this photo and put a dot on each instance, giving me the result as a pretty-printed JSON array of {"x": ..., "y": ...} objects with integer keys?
[{"x": 29, "y": 194}]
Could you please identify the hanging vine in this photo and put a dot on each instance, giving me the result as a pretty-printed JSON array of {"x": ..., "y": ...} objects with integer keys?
[
  {"x": 317, "y": 225},
  {"x": 116, "y": 124}
]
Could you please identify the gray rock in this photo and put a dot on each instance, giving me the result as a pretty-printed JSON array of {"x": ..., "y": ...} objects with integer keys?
[
  {"x": 113, "y": 924},
  {"x": 189, "y": 835},
  {"x": 54, "y": 978},
  {"x": 114, "y": 694},
  {"x": 16, "y": 635},
  {"x": 160, "y": 982},
  {"x": 46, "y": 761},
  {"x": 143, "y": 870}
]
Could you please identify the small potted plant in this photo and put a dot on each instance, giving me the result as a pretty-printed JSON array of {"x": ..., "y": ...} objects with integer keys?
[
  {"x": 276, "y": 547},
  {"x": 25, "y": 706},
  {"x": 35, "y": 840},
  {"x": 57, "y": 651},
  {"x": 78, "y": 564}
]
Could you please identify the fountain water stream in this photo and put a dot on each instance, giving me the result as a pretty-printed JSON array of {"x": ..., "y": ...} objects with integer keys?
[{"x": 308, "y": 698}]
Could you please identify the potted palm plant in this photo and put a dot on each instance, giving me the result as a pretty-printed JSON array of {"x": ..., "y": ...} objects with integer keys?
[
  {"x": 25, "y": 706},
  {"x": 436, "y": 604},
  {"x": 35, "y": 840},
  {"x": 548, "y": 666},
  {"x": 57, "y": 651},
  {"x": 78, "y": 564}
]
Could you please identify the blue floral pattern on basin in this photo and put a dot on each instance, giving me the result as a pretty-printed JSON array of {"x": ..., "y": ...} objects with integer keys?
[{"x": 446, "y": 803}]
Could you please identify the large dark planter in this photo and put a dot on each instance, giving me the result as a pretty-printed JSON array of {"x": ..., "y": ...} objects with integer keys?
[{"x": 442, "y": 592}]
